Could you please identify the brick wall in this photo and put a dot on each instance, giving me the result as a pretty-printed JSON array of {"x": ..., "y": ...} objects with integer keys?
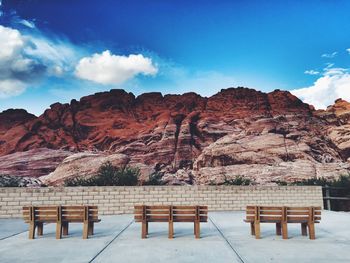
[{"x": 119, "y": 200}]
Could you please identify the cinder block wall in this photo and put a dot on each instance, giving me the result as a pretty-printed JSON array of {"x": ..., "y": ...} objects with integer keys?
[{"x": 120, "y": 200}]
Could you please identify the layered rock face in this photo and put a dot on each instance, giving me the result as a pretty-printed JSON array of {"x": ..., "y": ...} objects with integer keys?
[
  {"x": 32, "y": 163},
  {"x": 264, "y": 136}
]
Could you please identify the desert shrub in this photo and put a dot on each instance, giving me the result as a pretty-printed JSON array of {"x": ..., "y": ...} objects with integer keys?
[
  {"x": 155, "y": 179},
  {"x": 342, "y": 181},
  {"x": 78, "y": 181},
  {"x": 281, "y": 183},
  {"x": 19, "y": 181},
  {"x": 9, "y": 181},
  {"x": 128, "y": 176},
  {"x": 312, "y": 181},
  {"x": 338, "y": 188},
  {"x": 108, "y": 175},
  {"x": 238, "y": 180}
]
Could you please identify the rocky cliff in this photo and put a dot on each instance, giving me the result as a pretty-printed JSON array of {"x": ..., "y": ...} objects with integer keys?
[{"x": 264, "y": 136}]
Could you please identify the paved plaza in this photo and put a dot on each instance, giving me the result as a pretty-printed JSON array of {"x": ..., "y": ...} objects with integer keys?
[{"x": 225, "y": 238}]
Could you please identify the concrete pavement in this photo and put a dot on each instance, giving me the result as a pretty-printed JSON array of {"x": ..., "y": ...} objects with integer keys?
[{"x": 225, "y": 238}]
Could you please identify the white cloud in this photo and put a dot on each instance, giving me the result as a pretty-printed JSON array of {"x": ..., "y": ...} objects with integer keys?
[
  {"x": 328, "y": 65},
  {"x": 28, "y": 57},
  {"x": 27, "y": 23},
  {"x": 107, "y": 68},
  {"x": 348, "y": 50},
  {"x": 11, "y": 42},
  {"x": 334, "y": 84},
  {"x": 10, "y": 88},
  {"x": 311, "y": 72},
  {"x": 329, "y": 55},
  {"x": 334, "y": 71}
]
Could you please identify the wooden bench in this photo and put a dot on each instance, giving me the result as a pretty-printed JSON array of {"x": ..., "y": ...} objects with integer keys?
[
  {"x": 281, "y": 216},
  {"x": 88, "y": 215},
  {"x": 307, "y": 217},
  {"x": 170, "y": 214},
  {"x": 36, "y": 216}
]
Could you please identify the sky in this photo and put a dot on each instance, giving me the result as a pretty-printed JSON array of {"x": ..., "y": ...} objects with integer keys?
[{"x": 58, "y": 50}]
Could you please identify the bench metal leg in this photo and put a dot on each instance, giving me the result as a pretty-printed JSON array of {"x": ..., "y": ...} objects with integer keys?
[
  {"x": 304, "y": 229},
  {"x": 32, "y": 230},
  {"x": 252, "y": 229},
  {"x": 40, "y": 229},
  {"x": 311, "y": 230},
  {"x": 278, "y": 229},
  {"x": 65, "y": 227},
  {"x": 171, "y": 229},
  {"x": 59, "y": 230},
  {"x": 143, "y": 230},
  {"x": 257, "y": 230},
  {"x": 284, "y": 231}
]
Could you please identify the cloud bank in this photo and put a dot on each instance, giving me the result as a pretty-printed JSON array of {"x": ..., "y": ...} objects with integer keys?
[
  {"x": 333, "y": 84},
  {"x": 27, "y": 58},
  {"x": 106, "y": 68}
]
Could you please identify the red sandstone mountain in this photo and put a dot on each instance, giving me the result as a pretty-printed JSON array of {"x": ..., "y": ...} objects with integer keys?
[{"x": 239, "y": 131}]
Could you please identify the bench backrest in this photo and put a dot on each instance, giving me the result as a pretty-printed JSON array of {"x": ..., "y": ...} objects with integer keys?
[
  {"x": 47, "y": 214},
  {"x": 303, "y": 214},
  {"x": 167, "y": 213},
  {"x": 190, "y": 213},
  {"x": 73, "y": 213},
  {"x": 60, "y": 213},
  {"x": 265, "y": 213},
  {"x": 155, "y": 213},
  {"x": 283, "y": 214}
]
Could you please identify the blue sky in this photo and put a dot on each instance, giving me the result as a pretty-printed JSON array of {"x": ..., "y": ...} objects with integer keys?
[{"x": 57, "y": 50}]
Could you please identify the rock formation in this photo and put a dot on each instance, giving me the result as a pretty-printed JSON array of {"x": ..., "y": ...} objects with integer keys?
[{"x": 266, "y": 137}]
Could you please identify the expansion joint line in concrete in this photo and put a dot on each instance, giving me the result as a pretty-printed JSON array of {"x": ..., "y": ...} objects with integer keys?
[
  {"x": 110, "y": 242},
  {"x": 16, "y": 234},
  {"x": 239, "y": 258},
  {"x": 13, "y": 235}
]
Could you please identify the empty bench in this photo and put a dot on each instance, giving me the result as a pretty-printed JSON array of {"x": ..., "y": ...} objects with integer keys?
[
  {"x": 281, "y": 216},
  {"x": 37, "y": 216},
  {"x": 170, "y": 214}
]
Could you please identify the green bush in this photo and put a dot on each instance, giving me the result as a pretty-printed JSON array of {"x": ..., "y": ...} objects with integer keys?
[
  {"x": 281, "y": 183},
  {"x": 238, "y": 180},
  {"x": 9, "y": 181},
  {"x": 108, "y": 175},
  {"x": 155, "y": 179},
  {"x": 342, "y": 181}
]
